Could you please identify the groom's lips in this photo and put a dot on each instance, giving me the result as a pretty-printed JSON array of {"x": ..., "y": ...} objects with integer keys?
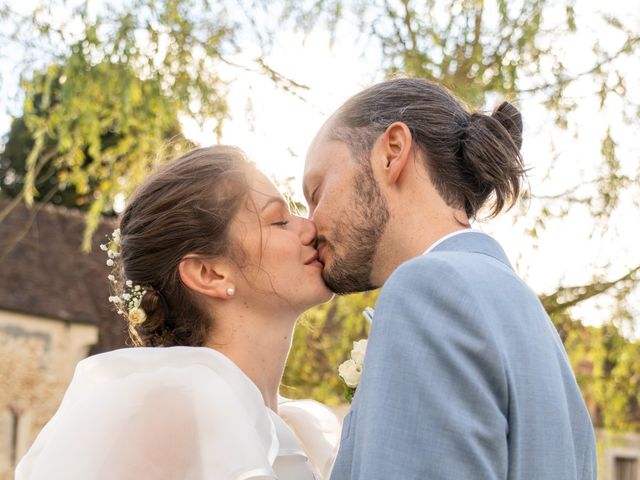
[{"x": 321, "y": 249}]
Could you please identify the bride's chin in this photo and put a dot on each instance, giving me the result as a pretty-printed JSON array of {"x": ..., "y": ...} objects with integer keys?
[{"x": 323, "y": 295}]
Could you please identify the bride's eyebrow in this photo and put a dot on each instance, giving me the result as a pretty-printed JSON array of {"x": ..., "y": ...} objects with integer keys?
[{"x": 273, "y": 200}]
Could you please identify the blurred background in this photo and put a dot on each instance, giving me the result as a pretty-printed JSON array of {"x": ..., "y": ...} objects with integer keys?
[{"x": 94, "y": 94}]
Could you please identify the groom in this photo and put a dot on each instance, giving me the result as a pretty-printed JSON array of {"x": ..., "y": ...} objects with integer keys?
[{"x": 465, "y": 376}]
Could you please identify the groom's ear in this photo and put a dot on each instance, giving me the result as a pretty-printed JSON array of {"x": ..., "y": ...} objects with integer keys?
[{"x": 395, "y": 150}]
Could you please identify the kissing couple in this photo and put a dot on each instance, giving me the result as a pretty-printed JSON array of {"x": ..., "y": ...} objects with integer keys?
[{"x": 464, "y": 377}]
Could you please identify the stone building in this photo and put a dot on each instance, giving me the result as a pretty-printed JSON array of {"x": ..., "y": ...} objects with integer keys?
[{"x": 53, "y": 302}]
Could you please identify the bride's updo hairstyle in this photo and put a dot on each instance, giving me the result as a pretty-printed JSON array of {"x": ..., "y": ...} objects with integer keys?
[
  {"x": 185, "y": 207},
  {"x": 473, "y": 159}
]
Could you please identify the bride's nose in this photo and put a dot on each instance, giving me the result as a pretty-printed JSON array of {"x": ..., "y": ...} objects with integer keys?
[{"x": 308, "y": 231}]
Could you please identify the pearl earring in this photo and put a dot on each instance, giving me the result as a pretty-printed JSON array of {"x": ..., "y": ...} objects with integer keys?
[{"x": 231, "y": 291}]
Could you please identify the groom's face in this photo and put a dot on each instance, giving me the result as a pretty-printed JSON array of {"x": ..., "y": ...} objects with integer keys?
[{"x": 350, "y": 214}]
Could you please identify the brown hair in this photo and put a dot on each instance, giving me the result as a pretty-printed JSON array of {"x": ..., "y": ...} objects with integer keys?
[
  {"x": 470, "y": 157},
  {"x": 185, "y": 207}
]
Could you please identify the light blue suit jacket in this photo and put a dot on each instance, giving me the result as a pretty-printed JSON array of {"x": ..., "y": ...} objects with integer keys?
[{"x": 465, "y": 377}]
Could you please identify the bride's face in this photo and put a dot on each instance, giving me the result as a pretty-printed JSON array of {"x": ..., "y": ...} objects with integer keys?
[{"x": 279, "y": 266}]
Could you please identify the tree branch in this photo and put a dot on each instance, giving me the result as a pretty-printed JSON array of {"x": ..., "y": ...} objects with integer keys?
[{"x": 554, "y": 303}]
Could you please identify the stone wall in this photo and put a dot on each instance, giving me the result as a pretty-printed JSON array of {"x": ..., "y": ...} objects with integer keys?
[{"x": 37, "y": 360}]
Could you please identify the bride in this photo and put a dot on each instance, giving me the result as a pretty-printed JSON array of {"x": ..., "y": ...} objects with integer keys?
[{"x": 211, "y": 271}]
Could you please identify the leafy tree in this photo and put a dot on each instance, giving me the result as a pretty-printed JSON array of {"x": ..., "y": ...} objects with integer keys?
[
  {"x": 102, "y": 111},
  {"x": 606, "y": 366},
  {"x": 70, "y": 175},
  {"x": 485, "y": 50}
]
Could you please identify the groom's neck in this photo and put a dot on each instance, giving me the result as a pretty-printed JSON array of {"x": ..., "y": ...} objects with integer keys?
[{"x": 412, "y": 229}]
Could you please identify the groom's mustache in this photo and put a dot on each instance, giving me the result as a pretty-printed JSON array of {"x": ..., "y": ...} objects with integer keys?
[{"x": 321, "y": 244}]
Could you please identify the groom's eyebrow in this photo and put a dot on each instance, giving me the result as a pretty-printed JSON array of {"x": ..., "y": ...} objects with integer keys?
[{"x": 273, "y": 200}]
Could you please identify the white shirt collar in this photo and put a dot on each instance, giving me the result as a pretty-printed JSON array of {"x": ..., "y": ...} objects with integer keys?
[{"x": 452, "y": 234}]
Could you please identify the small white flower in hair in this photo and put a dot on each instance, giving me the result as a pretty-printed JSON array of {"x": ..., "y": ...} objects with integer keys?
[
  {"x": 103, "y": 247},
  {"x": 110, "y": 263},
  {"x": 129, "y": 283},
  {"x": 137, "y": 316}
]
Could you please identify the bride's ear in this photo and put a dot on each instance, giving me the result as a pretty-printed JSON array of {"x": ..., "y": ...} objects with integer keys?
[
  {"x": 395, "y": 146},
  {"x": 206, "y": 276}
]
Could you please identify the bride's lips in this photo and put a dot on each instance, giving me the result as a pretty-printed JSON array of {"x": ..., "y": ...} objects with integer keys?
[{"x": 313, "y": 261}]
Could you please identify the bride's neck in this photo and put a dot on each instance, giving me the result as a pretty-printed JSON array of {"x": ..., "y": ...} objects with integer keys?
[{"x": 258, "y": 345}]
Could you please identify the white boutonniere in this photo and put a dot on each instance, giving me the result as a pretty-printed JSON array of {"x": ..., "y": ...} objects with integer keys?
[{"x": 350, "y": 371}]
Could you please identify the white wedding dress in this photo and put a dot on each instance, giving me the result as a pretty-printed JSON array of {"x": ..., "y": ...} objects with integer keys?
[{"x": 177, "y": 413}]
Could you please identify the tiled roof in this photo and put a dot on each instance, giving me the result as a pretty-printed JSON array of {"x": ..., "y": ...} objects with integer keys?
[{"x": 43, "y": 271}]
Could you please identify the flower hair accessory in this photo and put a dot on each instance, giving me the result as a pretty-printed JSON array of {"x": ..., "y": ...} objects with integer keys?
[{"x": 129, "y": 300}]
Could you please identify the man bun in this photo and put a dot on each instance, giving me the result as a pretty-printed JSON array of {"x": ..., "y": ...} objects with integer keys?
[{"x": 511, "y": 119}]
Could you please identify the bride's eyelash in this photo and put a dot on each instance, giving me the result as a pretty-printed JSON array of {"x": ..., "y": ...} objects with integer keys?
[{"x": 281, "y": 223}]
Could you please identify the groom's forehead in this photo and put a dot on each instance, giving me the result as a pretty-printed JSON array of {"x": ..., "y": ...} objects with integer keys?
[
  {"x": 323, "y": 155},
  {"x": 315, "y": 157}
]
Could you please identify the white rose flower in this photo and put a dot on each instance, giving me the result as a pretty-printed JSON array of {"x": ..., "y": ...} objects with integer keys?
[
  {"x": 350, "y": 373},
  {"x": 137, "y": 316},
  {"x": 110, "y": 263},
  {"x": 358, "y": 352}
]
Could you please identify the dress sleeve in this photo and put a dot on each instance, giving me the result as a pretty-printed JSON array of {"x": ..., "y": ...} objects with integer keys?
[
  {"x": 167, "y": 424},
  {"x": 317, "y": 428}
]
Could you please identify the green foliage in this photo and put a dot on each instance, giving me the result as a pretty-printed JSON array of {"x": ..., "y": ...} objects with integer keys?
[
  {"x": 323, "y": 340},
  {"x": 106, "y": 108},
  {"x": 84, "y": 158},
  {"x": 607, "y": 369}
]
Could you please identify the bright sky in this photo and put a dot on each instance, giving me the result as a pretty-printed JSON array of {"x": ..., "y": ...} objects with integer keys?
[{"x": 275, "y": 129}]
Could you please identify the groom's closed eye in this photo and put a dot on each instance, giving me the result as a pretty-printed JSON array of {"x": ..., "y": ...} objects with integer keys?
[{"x": 313, "y": 195}]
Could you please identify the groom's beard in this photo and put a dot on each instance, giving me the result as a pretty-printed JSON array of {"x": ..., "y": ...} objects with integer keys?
[{"x": 357, "y": 235}]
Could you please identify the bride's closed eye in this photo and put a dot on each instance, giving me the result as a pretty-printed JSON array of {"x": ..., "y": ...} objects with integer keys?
[{"x": 282, "y": 223}]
